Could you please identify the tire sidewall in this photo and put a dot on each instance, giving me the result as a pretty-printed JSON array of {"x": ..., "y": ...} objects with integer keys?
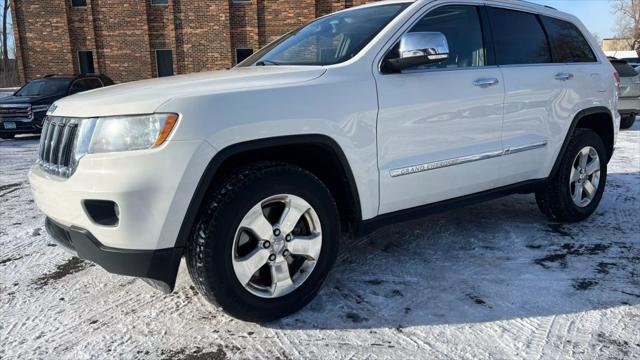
[{"x": 220, "y": 275}]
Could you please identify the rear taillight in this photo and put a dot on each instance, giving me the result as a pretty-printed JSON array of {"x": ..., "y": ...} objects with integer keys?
[{"x": 616, "y": 77}]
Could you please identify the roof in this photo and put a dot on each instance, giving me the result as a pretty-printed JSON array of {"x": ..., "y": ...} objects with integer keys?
[
  {"x": 69, "y": 76},
  {"x": 522, "y": 3}
]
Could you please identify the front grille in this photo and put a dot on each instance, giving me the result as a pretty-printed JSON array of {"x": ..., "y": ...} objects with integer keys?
[
  {"x": 57, "y": 145},
  {"x": 15, "y": 112}
]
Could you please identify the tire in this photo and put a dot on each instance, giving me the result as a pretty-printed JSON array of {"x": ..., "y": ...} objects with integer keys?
[
  {"x": 7, "y": 136},
  {"x": 212, "y": 250},
  {"x": 555, "y": 199},
  {"x": 627, "y": 121}
]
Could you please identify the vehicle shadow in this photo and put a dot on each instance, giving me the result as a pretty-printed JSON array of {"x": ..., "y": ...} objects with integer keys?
[{"x": 495, "y": 261}]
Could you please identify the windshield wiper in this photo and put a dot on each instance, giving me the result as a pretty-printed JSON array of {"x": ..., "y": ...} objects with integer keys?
[{"x": 264, "y": 62}]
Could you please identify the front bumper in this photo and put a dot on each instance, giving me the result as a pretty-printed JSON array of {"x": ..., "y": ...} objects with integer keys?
[
  {"x": 24, "y": 126},
  {"x": 152, "y": 190},
  {"x": 159, "y": 268}
]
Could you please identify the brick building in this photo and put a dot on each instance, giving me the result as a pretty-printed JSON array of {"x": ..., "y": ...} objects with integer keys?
[{"x": 136, "y": 39}]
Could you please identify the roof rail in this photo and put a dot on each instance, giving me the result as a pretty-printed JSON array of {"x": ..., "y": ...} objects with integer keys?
[{"x": 536, "y": 4}]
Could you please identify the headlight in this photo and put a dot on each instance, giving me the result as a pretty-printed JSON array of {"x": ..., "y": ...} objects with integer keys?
[{"x": 124, "y": 133}]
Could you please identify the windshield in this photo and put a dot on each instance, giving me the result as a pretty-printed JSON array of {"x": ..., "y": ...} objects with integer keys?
[
  {"x": 44, "y": 87},
  {"x": 329, "y": 40}
]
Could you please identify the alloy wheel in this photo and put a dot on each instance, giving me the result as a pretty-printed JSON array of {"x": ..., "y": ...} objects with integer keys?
[
  {"x": 276, "y": 246},
  {"x": 585, "y": 176}
]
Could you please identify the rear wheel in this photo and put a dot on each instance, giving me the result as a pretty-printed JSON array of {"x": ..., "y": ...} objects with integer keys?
[
  {"x": 265, "y": 242},
  {"x": 574, "y": 193},
  {"x": 7, "y": 136},
  {"x": 627, "y": 121}
]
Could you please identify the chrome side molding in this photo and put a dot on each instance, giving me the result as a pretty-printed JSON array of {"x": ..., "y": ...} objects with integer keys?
[{"x": 464, "y": 159}]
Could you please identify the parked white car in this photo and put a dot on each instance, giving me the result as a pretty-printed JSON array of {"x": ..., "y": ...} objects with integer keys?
[
  {"x": 362, "y": 118},
  {"x": 629, "y": 95}
]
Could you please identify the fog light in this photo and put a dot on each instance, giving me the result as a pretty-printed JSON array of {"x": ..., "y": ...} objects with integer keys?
[{"x": 102, "y": 212}]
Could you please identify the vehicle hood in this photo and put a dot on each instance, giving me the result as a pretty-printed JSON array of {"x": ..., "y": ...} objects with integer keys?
[
  {"x": 143, "y": 97},
  {"x": 33, "y": 100}
]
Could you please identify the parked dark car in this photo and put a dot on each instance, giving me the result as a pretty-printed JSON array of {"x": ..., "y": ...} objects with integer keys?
[{"x": 24, "y": 111}]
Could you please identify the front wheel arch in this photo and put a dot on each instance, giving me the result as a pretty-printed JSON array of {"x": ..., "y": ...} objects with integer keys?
[{"x": 343, "y": 188}]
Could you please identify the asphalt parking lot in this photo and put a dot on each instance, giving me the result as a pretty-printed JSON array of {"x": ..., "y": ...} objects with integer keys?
[{"x": 495, "y": 280}]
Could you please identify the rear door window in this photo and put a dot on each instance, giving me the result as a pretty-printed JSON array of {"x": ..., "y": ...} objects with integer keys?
[
  {"x": 568, "y": 45},
  {"x": 519, "y": 38}
]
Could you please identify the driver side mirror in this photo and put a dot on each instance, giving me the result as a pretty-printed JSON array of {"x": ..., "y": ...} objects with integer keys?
[{"x": 419, "y": 48}]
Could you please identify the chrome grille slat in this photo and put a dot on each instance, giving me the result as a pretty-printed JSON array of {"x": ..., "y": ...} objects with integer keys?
[
  {"x": 43, "y": 136},
  {"x": 47, "y": 142},
  {"x": 16, "y": 112},
  {"x": 62, "y": 145},
  {"x": 57, "y": 146},
  {"x": 67, "y": 145},
  {"x": 53, "y": 153}
]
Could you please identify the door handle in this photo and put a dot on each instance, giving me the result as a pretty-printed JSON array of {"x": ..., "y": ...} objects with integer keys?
[
  {"x": 486, "y": 82},
  {"x": 564, "y": 76}
]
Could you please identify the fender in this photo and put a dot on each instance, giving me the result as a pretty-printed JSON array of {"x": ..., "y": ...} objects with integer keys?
[
  {"x": 579, "y": 116},
  {"x": 235, "y": 149}
]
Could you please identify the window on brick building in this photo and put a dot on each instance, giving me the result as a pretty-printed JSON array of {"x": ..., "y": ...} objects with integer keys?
[
  {"x": 242, "y": 54},
  {"x": 164, "y": 63},
  {"x": 159, "y": 2},
  {"x": 86, "y": 62},
  {"x": 78, "y": 3}
]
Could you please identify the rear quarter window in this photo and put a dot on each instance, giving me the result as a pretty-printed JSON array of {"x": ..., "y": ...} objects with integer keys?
[{"x": 568, "y": 45}]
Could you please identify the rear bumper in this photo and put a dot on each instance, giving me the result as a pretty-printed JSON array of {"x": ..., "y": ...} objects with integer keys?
[
  {"x": 158, "y": 267},
  {"x": 629, "y": 105}
]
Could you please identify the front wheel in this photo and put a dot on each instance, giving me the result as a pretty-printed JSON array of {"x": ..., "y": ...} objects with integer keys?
[
  {"x": 264, "y": 242},
  {"x": 574, "y": 193}
]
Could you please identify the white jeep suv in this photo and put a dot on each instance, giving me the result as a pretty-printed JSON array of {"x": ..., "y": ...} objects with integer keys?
[{"x": 361, "y": 118}]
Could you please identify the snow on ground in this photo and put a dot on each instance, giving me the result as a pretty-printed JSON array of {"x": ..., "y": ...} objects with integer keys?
[{"x": 495, "y": 280}]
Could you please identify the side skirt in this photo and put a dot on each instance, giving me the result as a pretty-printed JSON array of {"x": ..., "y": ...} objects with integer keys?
[{"x": 368, "y": 226}]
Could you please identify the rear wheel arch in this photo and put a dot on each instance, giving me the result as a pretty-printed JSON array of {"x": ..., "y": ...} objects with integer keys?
[
  {"x": 318, "y": 154},
  {"x": 600, "y": 120}
]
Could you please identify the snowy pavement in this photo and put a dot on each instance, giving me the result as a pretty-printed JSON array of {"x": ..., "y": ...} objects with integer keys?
[{"x": 495, "y": 280}]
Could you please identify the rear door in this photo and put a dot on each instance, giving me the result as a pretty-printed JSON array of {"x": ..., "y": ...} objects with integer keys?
[
  {"x": 439, "y": 125},
  {"x": 538, "y": 101}
]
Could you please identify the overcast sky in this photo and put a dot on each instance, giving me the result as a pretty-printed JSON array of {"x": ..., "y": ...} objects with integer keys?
[{"x": 595, "y": 14}]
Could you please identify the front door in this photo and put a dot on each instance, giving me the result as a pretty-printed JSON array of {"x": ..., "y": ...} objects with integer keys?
[{"x": 439, "y": 126}]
